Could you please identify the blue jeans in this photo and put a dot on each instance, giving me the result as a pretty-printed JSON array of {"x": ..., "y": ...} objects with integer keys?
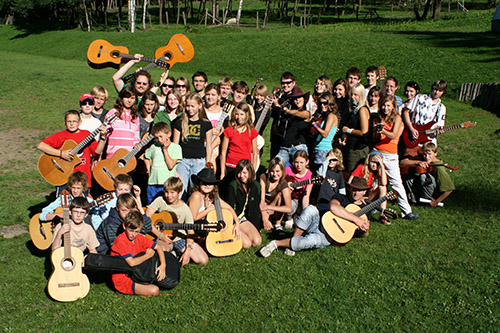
[
  {"x": 286, "y": 153},
  {"x": 152, "y": 191},
  {"x": 313, "y": 238},
  {"x": 320, "y": 161},
  {"x": 186, "y": 168}
]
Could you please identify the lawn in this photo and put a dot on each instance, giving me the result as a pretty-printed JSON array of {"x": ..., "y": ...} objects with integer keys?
[{"x": 439, "y": 273}]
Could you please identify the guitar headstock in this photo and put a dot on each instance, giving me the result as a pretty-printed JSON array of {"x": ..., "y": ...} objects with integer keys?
[
  {"x": 451, "y": 167},
  {"x": 392, "y": 195},
  {"x": 106, "y": 197},
  {"x": 382, "y": 72},
  {"x": 390, "y": 213},
  {"x": 214, "y": 227},
  {"x": 111, "y": 119},
  {"x": 317, "y": 180},
  {"x": 65, "y": 199},
  {"x": 468, "y": 124},
  {"x": 162, "y": 64}
]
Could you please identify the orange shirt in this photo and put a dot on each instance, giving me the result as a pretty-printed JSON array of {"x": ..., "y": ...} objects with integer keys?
[{"x": 387, "y": 144}]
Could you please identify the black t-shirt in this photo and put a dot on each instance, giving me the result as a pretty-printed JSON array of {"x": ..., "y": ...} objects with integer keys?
[{"x": 194, "y": 146}]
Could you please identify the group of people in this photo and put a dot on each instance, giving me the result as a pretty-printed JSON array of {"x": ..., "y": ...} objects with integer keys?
[{"x": 344, "y": 136}]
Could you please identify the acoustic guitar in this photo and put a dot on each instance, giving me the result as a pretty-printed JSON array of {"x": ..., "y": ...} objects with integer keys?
[
  {"x": 426, "y": 133},
  {"x": 42, "y": 232},
  {"x": 102, "y": 52},
  {"x": 341, "y": 231},
  {"x": 405, "y": 169},
  {"x": 56, "y": 170},
  {"x": 67, "y": 283},
  {"x": 178, "y": 49},
  {"x": 382, "y": 72},
  {"x": 166, "y": 222},
  {"x": 314, "y": 180},
  {"x": 122, "y": 162},
  {"x": 222, "y": 243}
]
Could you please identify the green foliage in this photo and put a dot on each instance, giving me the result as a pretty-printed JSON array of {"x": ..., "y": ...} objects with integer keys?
[{"x": 439, "y": 273}]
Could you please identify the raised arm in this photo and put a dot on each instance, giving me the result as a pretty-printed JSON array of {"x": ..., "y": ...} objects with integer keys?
[{"x": 117, "y": 77}]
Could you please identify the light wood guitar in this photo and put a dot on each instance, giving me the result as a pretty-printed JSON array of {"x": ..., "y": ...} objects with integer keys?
[
  {"x": 42, "y": 232},
  {"x": 102, "y": 52},
  {"x": 122, "y": 162},
  {"x": 56, "y": 170},
  {"x": 67, "y": 283},
  {"x": 167, "y": 223},
  {"x": 222, "y": 243},
  {"x": 341, "y": 231},
  {"x": 382, "y": 72},
  {"x": 427, "y": 133},
  {"x": 178, "y": 49}
]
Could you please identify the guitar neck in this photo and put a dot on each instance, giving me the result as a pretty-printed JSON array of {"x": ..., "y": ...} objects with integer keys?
[
  {"x": 91, "y": 136},
  {"x": 267, "y": 107},
  {"x": 371, "y": 206},
  {"x": 222, "y": 117},
  {"x": 302, "y": 183},
  {"x": 218, "y": 208},
  {"x": 131, "y": 57},
  {"x": 137, "y": 148},
  {"x": 67, "y": 235},
  {"x": 180, "y": 226}
]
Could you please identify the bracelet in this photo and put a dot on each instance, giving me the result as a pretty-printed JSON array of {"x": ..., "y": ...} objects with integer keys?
[
  {"x": 189, "y": 245},
  {"x": 316, "y": 126},
  {"x": 349, "y": 131},
  {"x": 159, "y": 237},
  {"x": 60, "y": 153}
]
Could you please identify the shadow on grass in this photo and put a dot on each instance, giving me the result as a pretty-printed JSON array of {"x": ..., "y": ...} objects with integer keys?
[
  {"x": 35, "y": 209},
  {"x": 474, "y": 200},
  {"x": 474, "y": 42}
]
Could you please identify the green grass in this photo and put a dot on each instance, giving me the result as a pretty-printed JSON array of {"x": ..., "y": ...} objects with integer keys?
[{"x": 439, "y": 273}]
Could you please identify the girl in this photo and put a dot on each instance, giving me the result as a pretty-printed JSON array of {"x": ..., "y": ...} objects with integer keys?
[
  {"x": 276, "y": 196},
  {"x": 356, "y": 129},
  {"x": 244, "y": 196},
  {"x": 325, "y": 123},
  {"x": 373, "y": 98},
  {"x": 191, "y": 132},
  {"x": 341, "y": 94},
  {"x": 261, "y": 94},
  {"x": 411, "y": 90},
  {"x": 148, "y": 108},
  {"x": 373, "y": 171},
  {"x": 323, "y": 84},
  {"x": 173, "y": 108},
  {"x": 212, "y": 107},
  {"x": 240, "y": 140},
  {"x": 182, "y": 85},
  {"x": 334, "y": 186},
  {"x": 388, "y": 147},
  {"x": 297, "y": 172},
  {"x": 165, "y": 85},
  {"x": 201, "y": 201},
  {"x": 123, "y": 132}
]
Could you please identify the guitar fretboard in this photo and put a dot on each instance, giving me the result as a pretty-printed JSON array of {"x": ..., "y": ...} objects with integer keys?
[
  {"x": 314, "y": 179},
  {"x": 267, "y": 105},
  {"x": 137, "y": 148},
  {"x": 91, "y": 136},
  {"x": 375, "y": 204}
]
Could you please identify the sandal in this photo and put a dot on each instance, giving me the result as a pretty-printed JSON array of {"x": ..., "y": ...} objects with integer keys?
[{"x": 384, "y": 220}]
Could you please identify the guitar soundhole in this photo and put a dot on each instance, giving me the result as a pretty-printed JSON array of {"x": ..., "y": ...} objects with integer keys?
[
  {"x": 121, "y": 163},
  {"x": 115, "y": 54},
  {"x": 68, "y": 264},
  {"x": 222, "y": 224},
  {"x": 168, "y": 56}
]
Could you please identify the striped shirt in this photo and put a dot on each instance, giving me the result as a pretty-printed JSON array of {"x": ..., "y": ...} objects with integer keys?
[{"x": 123, "y": 133}]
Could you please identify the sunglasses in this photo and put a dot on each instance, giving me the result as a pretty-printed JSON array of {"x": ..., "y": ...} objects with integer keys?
[
  {"x": 286, "y": 82},
  {"x": 323, "y": 102},
  {"x": 87, "y": 103},
  {"x": 180, "y": 86},
  {"x": 167, "y": 85},
  {"x": 141, "y": 83},
  {"x": 333, "y": 160}
]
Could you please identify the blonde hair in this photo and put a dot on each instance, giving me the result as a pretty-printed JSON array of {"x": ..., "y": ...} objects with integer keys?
[
  {"x": 185, "y": 119},
  {"x": 338, "y": 154},
  {"x": 429, "y": 146},
  {"x": 126, "y": 200},
  {"x": 173, "y": 184},
  {"x": 360, "y": 91},
  {"x": 262, "y": 90},
  {"x": 366, "y": 168}
]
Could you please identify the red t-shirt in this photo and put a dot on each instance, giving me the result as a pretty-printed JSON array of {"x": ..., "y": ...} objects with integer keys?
[
  {"x": 240, "y": 145},
  {"x": 358, "y": 172},
  {"x": 125, "y": 248},
  {"x": 56, "y": 141},
  {"x": 299, "y": 192}
]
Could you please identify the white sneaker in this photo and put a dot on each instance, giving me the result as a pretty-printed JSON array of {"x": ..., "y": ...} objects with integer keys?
[
  {"x": 268, "y": 249},
  {"x": 289, "y": 252},
  {"x": 289, "y": 224}
]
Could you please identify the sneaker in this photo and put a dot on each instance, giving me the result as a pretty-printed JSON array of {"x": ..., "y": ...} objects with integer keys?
[
  {"x": 289, "y": 252},
  {"x": 268, "y": 249},
  {"x": 278, "y": 227},
  {"x": 289, "y": 224},
  {"x": 411, "y": 216}
]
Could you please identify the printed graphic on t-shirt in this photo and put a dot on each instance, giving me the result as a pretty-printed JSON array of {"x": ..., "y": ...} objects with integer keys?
[{"x": 194, "y": 132}]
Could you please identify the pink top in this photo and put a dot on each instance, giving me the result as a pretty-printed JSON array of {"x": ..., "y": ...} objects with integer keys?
[
  {"x": 123, "y": 133},
  {"x": 240, "y": 145},
  {"x": 299, "y": 192}
]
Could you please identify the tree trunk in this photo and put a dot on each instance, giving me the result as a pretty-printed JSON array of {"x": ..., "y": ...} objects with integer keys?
[
  {"x": 424, "y": 14},
  {"x": 238, "y": 15},
  {"x": 119, "y": 13},
  {"x": 160, "y": 13},
  {"x": 87, "y": 19},
  {"x": 144, "y": 11},
  {"x": 131, "y": 15},
  {"x": 436, "y": 9}
]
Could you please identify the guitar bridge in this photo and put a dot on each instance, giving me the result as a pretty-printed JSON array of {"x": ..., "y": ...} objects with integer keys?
[
  {"x": 56, "y": 165},
  {"x": 108, "y": 173},
  {"x": 225, "y": 241},
  {"x": 66, "y": 285}
]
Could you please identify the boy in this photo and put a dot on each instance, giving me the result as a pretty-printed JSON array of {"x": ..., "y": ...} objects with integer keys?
[
  {"x": 308, "y": 234},
  {"x": 225, "y": 85},
  {"x": 53, "y": 143},
  {"x": 424, "y": 109},
  {"x": 199, "y": 80},
  {"x": 353, "y": 76},
  {"x": 100, "y": 98},
  {"x": 77, "y": 187},
  {"x": 435, "y": 184},
  {"x": 391, "y": 86},
  {"x": 372, "y": 75},
  {"x": 161, "y": 159},
  {"x": 171, "y": 202},
  {"x": 89, "y": 122},
  {"x": 261, "y": 94},
  {"x": 123, "y": 184},
  {"x": 127, "y": 245},
  {"x": 82, "y": 235},
  {"x": 110, "y": 228}
]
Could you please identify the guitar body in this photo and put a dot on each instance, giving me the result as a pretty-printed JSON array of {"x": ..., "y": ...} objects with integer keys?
[
  {"x": 222, "y": 243},
  {"x": 67, "y": 283},
  {"x": 338, "y": 229},
  {"x": 42, "y": 232},
  {"x": 56, "y": 170},
  {"x": 114, "y": 166},
  {"x": 162, "y": 217},
  {"x": 422, "y": 137},
  {"x": 101, "y": 52},
  {"x": 178, "y": 49}
]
